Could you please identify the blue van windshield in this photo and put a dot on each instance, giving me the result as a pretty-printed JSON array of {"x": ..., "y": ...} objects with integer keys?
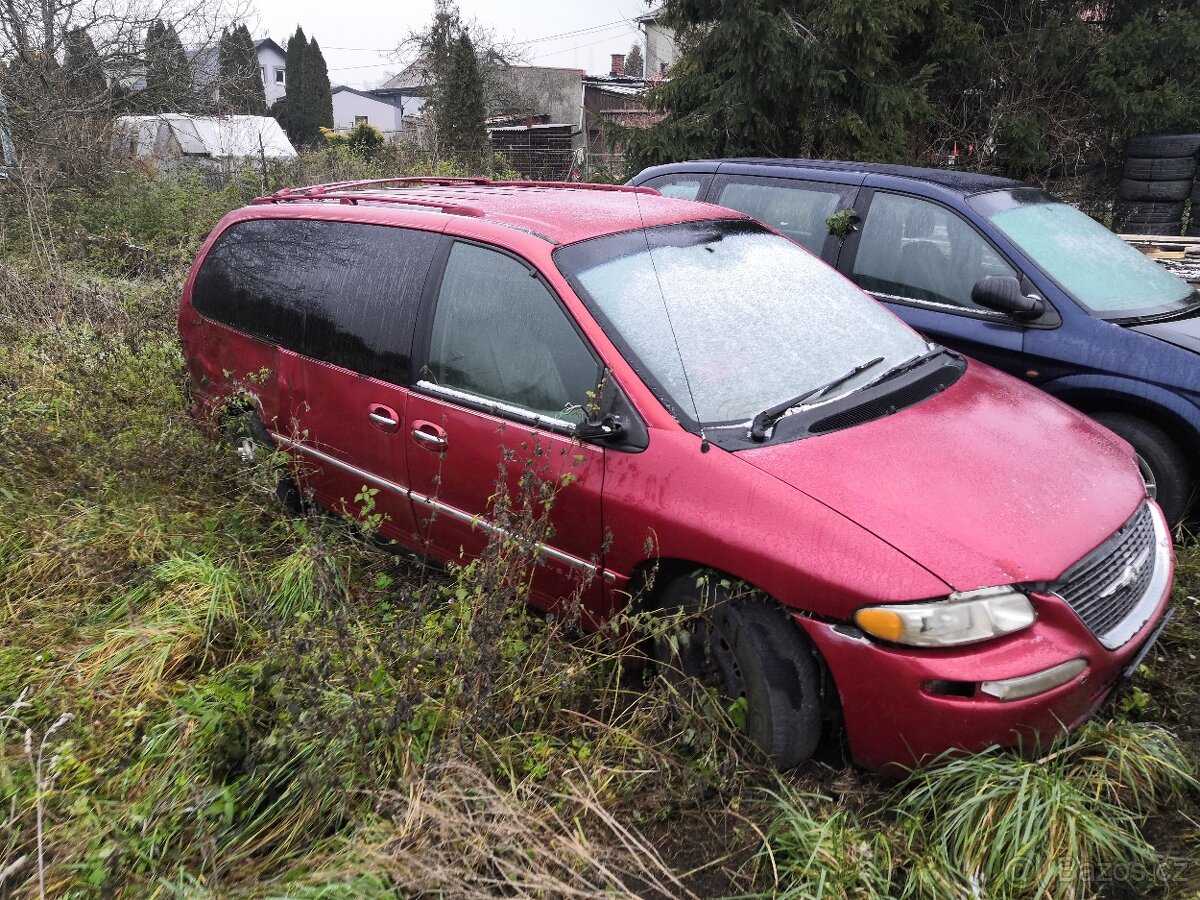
[{"x": 1100, "y": 271}]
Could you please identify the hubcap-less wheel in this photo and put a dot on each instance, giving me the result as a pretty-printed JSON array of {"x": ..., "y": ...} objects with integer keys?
[
  {"x": 750, "y": 652},
  {"x": 1163, "y": 467},
  {"x": 245, "y": 450},
  {"x": 1148, "y": 477}
]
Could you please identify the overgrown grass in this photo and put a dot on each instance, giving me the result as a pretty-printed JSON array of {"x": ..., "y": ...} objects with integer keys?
[{"x": 271, "y": 706}]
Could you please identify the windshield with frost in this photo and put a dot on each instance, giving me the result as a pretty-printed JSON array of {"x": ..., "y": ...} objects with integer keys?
[
  {"x": 1094, "y": 266},
  {"x": 724, "y": 319}
]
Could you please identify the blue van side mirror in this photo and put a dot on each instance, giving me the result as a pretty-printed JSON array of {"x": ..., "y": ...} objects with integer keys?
[{"x": 1002, "y": 293}]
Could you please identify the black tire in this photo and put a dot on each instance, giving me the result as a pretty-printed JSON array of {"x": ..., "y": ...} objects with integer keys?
[
  {"x": 1176, "y": 168},
  {"x": 1164, "y": 467},
  {"x": 1131, "y": 189},
  {"x": 747, "y": 648},
  {"x": 1163, "y": 146},
  {"x": 1147, "y": 217},
  {"x": 249, "y": 439},
  {"x": 244, "y": 431}
]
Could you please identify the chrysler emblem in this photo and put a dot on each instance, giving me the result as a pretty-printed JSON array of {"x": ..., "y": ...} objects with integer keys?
[{"x": 1128, "y": 577}]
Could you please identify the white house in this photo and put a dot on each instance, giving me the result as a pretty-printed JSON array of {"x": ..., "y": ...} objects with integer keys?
[
  {"x": 384, "y": 108},
  {"x": 272, "y": 66},
  {"x": 661, "y": 50}
]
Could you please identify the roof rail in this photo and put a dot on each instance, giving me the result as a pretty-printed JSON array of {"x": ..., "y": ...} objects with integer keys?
[
  {"x": 316, "y": 190},
  {"x": 353, "y": 198}
]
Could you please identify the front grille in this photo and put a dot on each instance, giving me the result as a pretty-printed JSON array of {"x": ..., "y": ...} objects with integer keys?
[{"x": 1106, "y": 585}]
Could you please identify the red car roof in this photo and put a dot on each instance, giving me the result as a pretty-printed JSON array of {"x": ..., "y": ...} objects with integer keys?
[{"x": 561, "y": 213}]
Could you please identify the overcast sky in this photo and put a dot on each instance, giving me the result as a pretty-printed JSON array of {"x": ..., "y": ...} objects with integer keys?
[{"x": 358, "y": 37}]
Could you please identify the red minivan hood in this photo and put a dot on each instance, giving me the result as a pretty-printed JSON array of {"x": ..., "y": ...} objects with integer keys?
[{"x": 990, "y": 482}]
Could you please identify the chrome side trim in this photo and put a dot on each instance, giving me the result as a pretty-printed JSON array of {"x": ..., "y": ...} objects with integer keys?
[
  {"x": 498, "y": 407},
  {"x": 440, "y": 507}
]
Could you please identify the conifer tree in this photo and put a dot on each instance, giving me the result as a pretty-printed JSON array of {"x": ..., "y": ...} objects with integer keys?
[
  {"x": 318, "y": 97},
  {"x": 83, "y": 72},
  {"x": 292, "y": 113},
  {"x": 633, "y": 62},
  {"x": 457, "y": 104},
  {"x": 240, "y": 83},
  {"x": 168, "y": 73}
]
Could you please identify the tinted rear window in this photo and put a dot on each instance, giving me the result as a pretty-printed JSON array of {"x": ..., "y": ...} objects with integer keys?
[{"x": 341, "y": 292}]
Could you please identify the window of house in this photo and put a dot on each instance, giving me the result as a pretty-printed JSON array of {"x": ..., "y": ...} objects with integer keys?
[
  {"x": 360, "y": 120},
  {"x": 499, "y": 333},
  {"x": 917, "y": 250},
  {"x": 262, "y": 74},
  {"x": 279, "y": 76}
]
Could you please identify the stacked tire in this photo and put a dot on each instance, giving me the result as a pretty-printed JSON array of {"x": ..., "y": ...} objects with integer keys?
[
  {"x": 1159, "y": 180},
  {"x": 1193, "y": 229}
]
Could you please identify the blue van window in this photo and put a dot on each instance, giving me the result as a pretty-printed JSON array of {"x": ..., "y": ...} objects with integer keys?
[
  {"x": 795, "y": 211},
  {"x": 683, "y": 187},
  {"x": 917, "y": 250}
]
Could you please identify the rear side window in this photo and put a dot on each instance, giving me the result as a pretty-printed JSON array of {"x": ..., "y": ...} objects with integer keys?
[
  {"x": 500, "y": 334},
  {"x": 795, "y": 209},
  {"x": 680, "y": 186},
  {"x": 342, "y": 292}
]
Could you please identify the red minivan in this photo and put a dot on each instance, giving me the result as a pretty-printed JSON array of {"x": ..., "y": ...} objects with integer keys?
[{"x": 871, "y": 530}]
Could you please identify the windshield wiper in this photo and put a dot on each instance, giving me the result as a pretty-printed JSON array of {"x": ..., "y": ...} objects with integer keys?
[
  {"x": 907, "y": 366},
  {"x": 768, "y": 417}
]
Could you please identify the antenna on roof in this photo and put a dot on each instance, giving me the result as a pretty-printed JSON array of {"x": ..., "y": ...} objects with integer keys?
[{"x": 704, "y": 445}]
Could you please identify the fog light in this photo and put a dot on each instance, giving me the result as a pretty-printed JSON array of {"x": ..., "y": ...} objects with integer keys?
[{"x": 1037, "y": 683}]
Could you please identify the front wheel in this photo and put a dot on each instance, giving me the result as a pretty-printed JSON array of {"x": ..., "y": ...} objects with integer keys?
[
  {"x": 1163, "y": 467},
  {"x": 746, "y": 649}
]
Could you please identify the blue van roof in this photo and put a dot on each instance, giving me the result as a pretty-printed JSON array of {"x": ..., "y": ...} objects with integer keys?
[{"x": 954, "y": 179}]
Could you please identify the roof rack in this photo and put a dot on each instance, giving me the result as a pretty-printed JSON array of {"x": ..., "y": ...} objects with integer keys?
[
  {"x": 318, "y": 190},
  {"x": 352, "y": 198},
  {"x": 350, "y": 193}
]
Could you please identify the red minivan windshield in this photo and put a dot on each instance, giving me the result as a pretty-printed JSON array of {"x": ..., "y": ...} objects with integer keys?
[{"x": 725, "y": 319}]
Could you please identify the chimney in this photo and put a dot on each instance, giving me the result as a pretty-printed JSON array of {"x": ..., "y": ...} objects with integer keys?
[{"x": 618, "y": 65}]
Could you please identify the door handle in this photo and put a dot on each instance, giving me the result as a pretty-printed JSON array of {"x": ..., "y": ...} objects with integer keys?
[
  {"x": 383, "y": 417},
  {"x": 429, "y": 436}
]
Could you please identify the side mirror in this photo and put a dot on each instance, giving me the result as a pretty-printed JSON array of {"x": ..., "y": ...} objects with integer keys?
[
  {"x": 1002, "y": 293},
  {"x": 609, "y": 427}
]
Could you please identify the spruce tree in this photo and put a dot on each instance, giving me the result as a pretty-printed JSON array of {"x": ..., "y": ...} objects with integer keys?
[
  {"x": 456, "y": 104},
  {"x": 241, "y": 87},
  {"x": 318, "y": 97},
  {"x": 83, "y": 72},
  {"x": 794, "y": 78},
  {"x": 461, "y": 111},
  {"x": 633, "y": 62},
  {"x": 295, "y": 115},
  {"x": 254, "y": 98}
]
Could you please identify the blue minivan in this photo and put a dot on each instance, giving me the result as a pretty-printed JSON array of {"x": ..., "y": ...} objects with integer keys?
[{"x": 1003, "y": 272}]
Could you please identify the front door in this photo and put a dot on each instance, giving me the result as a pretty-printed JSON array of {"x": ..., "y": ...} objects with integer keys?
[
  {"x": 490, "y": 427},
  {"x": 922, "y": 260}
]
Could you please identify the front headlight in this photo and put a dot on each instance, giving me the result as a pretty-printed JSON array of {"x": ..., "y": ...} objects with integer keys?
[{"x": 959, "y": 619}]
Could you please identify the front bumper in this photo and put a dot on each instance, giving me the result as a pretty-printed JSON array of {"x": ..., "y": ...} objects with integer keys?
[{"x": 904, "y": 706}]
